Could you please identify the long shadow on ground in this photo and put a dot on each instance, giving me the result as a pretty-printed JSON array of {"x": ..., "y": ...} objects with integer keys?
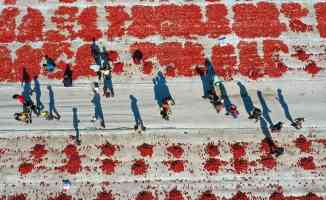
[
  {"x": 161, "y": 90},
  {"x": 284, "y": 105},
  {"x": 265, "y": 108},
  {"x": 135, "y": 111},
  {"x": 52, "y": 107},
  {"x": 246, "y": 99},
  {"x": 225, "y": 97}
]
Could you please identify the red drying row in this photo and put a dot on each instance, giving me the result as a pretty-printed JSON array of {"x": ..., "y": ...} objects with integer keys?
[
  {"x": 177, "y": 58},
  {"x": 176, "y": 163},
  {"x": 176, "y": 194},
  {"x": 250, "y": 21}
]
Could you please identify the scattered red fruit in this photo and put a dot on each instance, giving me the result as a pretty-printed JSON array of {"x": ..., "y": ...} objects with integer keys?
[
  {"x": 108, "y": 166},
  {"x": 17, "y": 197},
  {"x": 108, "y": 149},
  {"x": 176, "y": 165},
  {"x": 312, "y": 68},
  {"x": 208, "y": 195},
  {"x": 312, "y": 196},
  {"x": 268, "y": 162},
  {"x": 174, "y": 195},
  {"x": 240, "y": 196},
  {"x": 240, "y": 165},
  {"x": 265, "y": 147},
  {"x": 25, "y": 168},
  {"x": 113, "y": 56},
  {"x": 38, "y": 151},
  {"x": 212, "y": 165},
  {"x": 307, "y": 163},
  {"x": 238, "y": 150},
  {"x": 145, "y": 195},
  {"x": 303, "y": 144},
  {"x": 61, "y": 196},
  {"x": 145, "y": 150},
  {"x": 175, "y": 150},
  {"x": 277, "y": 196},
  {"x": 301, "y": 54},
  {"x": 70, "y": 151},
  {"x": 139, "y": 167},
  {"x": 104, "y": 196},
  {"x": 212, "y": 150},
  {"x": 73, "y": 165}
]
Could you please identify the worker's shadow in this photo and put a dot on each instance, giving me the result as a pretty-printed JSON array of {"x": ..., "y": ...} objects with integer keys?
[
  {"x": 225, "y": 97},
  {"x": 108, "y": 84},
  {"x": 97, "y": 106},
  {"x": 52, "y": 108},
  {"x": 274, "y": 149},
  {"x": 38, "y": 93},
  {"x": 161, "y": 90},
  {"x": 76, "y": 124},
  {"x": 265, "y": 109},
  {"x": 135, "y": 111},
  {"x": 264, "y": 128},
  {"x": 247, "y": 101},
  {"x": 207, "y": 79},
  {"x": 26, "y": 84},
  {"x": 284, "y": 105}
]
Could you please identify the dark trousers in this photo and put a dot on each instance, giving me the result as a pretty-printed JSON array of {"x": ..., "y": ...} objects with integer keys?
[{"x": 30, "y": 106}]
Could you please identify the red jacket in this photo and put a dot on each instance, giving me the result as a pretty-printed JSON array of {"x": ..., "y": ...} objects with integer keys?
[{"x": 21, "y": 99}]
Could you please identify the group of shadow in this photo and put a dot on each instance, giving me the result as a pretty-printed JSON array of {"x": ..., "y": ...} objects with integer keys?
[
  {"x": 213, "y": 88},
  {"x": 28, "y": 104},
  {"x": 217, "y": 94},
  {"x": 161, "y": 91},
  {"x": 162, "y": 96}
]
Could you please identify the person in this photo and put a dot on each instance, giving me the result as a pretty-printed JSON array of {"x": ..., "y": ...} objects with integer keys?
[
  {"x": 217, "y": 103},
  {"x": 96, "y": 52},
  {"x": 53, "y": 112},
  {"x": 233, "y": 111},
  {"x": 298, "y": 122},
  {"x": 274, "y": 149},
  {"x": 139, "y": 124},
  {"x": 25, "y": 77},
  {"x": 37, "y": 91},
  {"x": 23, "y": 116},
  {"x": 104, "y": 58},
  {"x": 165, "y": 108},
  {"x": 27, "y": 104},
  {"x": 96, "y": 100},
  {"x": 201, "y": 70},
  {"x": 215, "y": 100},
  {"x": 76, "y": 122},
  {"x": 255, "y": 114},
  {"x": 49, "y": 64},
  {"x": 216, "y": 85},
  {"x": 277, "y": 127},
  {"x": 137, "y": 56},
  {"x": 67, "y": 77},
  {"x": 107, "y": 80}
]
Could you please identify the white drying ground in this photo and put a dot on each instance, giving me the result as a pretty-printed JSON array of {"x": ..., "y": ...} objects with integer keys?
[{"x": 305, "y": 96}]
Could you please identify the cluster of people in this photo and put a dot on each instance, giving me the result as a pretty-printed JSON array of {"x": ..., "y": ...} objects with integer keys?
[
  {"x": 214, "y": 91},
  {"x": 103, "y": 68},
  {"x": 165, "y": 108},
  {"x": 29, "y": 107}
]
